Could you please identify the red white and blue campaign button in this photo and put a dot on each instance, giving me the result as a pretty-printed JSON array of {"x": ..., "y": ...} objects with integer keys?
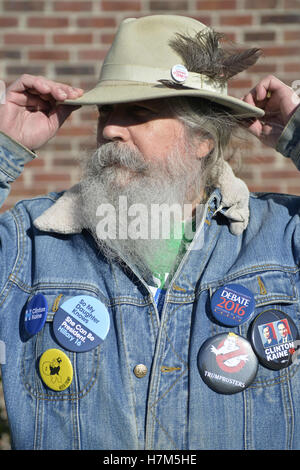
[
  {"x": 81, "y": 323},
  {"x": 227, "y": 363},
  {"x": 232, "y": 304},
  {"x": 274, "y": 338},
  {"x": 36, "y": 314},
  {"x": 179, "y": 73}
]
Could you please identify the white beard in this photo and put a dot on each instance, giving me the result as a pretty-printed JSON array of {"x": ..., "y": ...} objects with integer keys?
[{"x": 115, "y": 171}]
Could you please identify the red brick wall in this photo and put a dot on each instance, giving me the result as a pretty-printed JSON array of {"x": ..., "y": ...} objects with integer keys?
[{"x": 66, "y": 40}]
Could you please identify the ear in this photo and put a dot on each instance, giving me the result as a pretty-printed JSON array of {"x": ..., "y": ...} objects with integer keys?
[{"x": 204, "y": 147}]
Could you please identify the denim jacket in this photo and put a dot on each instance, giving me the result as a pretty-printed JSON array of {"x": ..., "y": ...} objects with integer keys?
[{"x": 107, "y": 406}]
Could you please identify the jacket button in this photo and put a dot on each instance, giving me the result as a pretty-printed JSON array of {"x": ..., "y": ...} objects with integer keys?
[{"x": 140, "y": 371}]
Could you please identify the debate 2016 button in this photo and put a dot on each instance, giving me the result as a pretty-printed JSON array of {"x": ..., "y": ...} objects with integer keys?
[
  {"x": 274, "y": 338},
  {"x": 81, "y": 323},
  {"x": 227, "y": 363},
  {"x": 232, "y": 304},
  {"x": 36, "y": 314},
  {"x": 56, "y": 369}
]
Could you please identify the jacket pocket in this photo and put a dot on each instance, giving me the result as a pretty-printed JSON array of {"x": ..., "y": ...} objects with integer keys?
[
  {"x": 272, "y": 290},
  {"x": 270, "y": 402},
  {"x": 85, "y": 364}
]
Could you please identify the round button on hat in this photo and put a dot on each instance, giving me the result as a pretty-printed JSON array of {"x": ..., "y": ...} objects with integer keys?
[
  {"x": 232, "y": 304},
  {"x": 274, "y": 338},
  {"x": 81, "y": 323},
  {"x": 227, "y": 363},
  {"x": 56, "y": 369},
  {"x": 179, "y": 73},
  {"x": 36, "y": 314}
]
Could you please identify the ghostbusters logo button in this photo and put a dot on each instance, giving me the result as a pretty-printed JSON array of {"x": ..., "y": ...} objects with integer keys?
[
  {"x": 36, "y": 314},
  {"x": 227, "y": 363},
  {"x": 274, "y": 338},
  {"x": 81, "y": 323},
  {"x": 232, "y": 304},
  {"x": 56, "y": 369}
]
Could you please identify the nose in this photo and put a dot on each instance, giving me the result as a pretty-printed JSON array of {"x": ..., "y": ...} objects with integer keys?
[{"x": 113, "y": 126}]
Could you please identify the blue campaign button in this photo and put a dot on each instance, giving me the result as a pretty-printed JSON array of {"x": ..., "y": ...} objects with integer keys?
[
  {"x": 232, "y": 304},
  {"x": 81, "y": 323},
  {"x": 36, "y": 314}
]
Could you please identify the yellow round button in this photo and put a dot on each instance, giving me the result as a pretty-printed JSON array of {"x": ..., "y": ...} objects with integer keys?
[{"x": 56, "y": 369}]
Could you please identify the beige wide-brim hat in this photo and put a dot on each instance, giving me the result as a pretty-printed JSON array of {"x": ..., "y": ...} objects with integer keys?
[{"x": 141, "y": 64}]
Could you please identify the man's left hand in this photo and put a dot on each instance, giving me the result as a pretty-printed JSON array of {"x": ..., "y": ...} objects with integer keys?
[{"x": 279, "y": 102}]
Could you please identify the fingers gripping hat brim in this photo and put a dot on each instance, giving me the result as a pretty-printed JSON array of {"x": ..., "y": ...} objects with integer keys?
[{"x": 139, "y": 63}]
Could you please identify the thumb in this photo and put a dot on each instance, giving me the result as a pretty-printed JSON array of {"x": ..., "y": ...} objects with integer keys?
[{"x": 61, "y": 113}]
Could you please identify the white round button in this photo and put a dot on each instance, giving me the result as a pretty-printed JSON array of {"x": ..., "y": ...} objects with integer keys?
[{"x": 179, "y": 73}]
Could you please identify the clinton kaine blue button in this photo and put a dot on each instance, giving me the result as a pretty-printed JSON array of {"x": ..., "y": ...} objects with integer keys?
[
  {"x": 36, "y": 314},
  {"x": 81, "y": 323},
  {"x": 232, "y": 304}
]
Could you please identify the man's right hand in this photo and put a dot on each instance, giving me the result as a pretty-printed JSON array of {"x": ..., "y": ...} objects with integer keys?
[{"x": 30, "y": 114}]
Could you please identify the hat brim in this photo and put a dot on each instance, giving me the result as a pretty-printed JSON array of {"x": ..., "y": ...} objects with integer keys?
[{"x": 120, "y": 92}]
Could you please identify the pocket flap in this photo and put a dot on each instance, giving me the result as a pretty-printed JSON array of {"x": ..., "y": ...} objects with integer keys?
[{"x": 268, "y": 287}]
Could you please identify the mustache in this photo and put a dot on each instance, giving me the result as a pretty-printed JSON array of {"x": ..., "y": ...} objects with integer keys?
[{"x": 116, "y": 154}]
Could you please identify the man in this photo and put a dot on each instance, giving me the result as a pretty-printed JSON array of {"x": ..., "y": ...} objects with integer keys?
[
  {"x": 285, "y": 337},
  {"x": 104, "y": 334}
]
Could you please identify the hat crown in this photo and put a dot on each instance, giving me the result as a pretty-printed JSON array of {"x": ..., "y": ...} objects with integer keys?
[
  {"x": 142, "y": 65},
  {"x": 145, "y": 41}
]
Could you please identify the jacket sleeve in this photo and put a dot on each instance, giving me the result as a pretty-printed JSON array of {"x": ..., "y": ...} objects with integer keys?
[
  {"x": 289, "y": 141},
  {"x": 13, "y": 157}
]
